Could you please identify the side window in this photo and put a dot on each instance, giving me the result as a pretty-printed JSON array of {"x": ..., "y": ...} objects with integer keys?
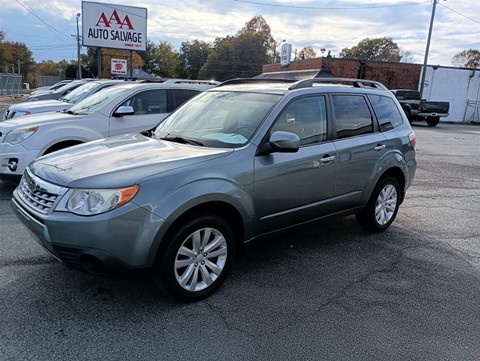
[
  {"x": 148, "y": 102},
  {"x": 352, "y": 116},
  {"x": 306, "y": 117},
  {"x": 182, "y": 95},
  {"x": 388, "y": 115}
]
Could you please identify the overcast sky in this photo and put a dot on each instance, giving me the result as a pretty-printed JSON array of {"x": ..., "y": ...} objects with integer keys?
[{"x": 48, "y": 27}]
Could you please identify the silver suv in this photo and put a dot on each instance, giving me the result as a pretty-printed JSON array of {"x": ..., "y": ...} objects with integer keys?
[{"x": 241, "y": 160}]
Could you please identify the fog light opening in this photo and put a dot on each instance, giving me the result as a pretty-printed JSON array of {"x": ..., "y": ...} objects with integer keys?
[
  {"x": 92, "y": 265},
  {"x": 13, "y": 164}
]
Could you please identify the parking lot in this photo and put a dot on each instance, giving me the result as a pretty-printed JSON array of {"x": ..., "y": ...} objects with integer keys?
[{"x": 329, "y": 291}]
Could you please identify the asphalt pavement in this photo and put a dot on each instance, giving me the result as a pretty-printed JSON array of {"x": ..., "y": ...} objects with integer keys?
[{"x": 328, "y": 291}]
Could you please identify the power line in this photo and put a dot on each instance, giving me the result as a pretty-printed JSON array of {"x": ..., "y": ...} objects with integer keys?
[
  {"x": 360, "y": 7},
  {"x": 456, "y": 12},
  {"x": 31, "y": 11}
]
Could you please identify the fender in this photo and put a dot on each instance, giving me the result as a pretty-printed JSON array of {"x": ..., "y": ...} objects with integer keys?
[
  {"x": 48, "y": 136},
  {"x": 194, "y": 194}
]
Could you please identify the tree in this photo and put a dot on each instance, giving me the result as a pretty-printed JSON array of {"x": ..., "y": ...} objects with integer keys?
[
  {"x": 307, "y": 53},
  {"x": 258, "y": 25},
  {"x": 194, "y": 54},
  {"x": 467, "y": 58},
  {"x": 17, "y": 56},
  {"x": 163, "y": 61},
  {"x": 242, "y": 55},
  {"x": 381, "y": 49}
]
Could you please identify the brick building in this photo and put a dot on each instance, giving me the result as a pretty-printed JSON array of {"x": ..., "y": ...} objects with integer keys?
[
  {"x": 392, "y": 75},
  {"x": 459, "y": 86}
]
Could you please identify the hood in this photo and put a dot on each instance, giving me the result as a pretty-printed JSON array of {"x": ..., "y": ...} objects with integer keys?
[
  {"x": 38, "y": 104},
  {"x": 35, "y": 119},
  {"x": 118, "y": 161}
]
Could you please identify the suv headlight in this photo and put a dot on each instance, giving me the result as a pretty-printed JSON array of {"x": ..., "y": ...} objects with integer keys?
[
  {"x": 19, "y": 135},
  {"x": 89, "y": 202}
]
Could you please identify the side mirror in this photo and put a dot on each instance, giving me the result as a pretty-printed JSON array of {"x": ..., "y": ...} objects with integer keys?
[
  {"x": 281, "y": 142},
  {"x": 124, "y": 110}
]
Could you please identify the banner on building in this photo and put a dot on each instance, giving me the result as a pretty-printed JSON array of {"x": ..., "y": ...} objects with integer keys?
[{"x": 114, "y": 26}]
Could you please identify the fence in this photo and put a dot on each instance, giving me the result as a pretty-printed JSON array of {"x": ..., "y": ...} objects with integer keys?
[
  {"x": 11, "y": 84},
  {"x": 44, "y": 80}
]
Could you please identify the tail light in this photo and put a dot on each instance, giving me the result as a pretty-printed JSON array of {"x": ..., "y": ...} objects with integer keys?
[
  {"x": 420, "y": 107},
  {"x": 412, "y": 139}
]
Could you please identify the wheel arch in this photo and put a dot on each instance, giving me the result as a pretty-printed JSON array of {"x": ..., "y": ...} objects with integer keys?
[
  {"x": 221, "y": 209},
  {"x": 61, "y": 145},
  {"x": 398, "y": 174}
]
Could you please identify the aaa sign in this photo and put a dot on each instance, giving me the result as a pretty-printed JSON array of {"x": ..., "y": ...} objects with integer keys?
[{"x": 114, "y": 26}]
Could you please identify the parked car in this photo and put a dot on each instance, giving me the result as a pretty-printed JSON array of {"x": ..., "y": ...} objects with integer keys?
[
  {"x": 417, "y": 109},
  {"x": 65, "y": 102},
  {"x": 247, "y": 158},
  {"x": 131, "y": 107},
  {"x": 50, "y": 87},
  {"x": 57, "y": 93}
]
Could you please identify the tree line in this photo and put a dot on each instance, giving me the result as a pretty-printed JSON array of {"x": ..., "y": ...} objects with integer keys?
[{"x": 240, "y": 55}]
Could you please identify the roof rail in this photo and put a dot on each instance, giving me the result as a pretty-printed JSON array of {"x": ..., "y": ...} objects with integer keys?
[
  {"x": 255, "y": 81},
  {"x": 356, "y": 83}
]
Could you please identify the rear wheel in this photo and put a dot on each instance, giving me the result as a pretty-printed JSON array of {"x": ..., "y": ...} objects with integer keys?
[
  {"x": 198, "y": 258},
  {"x": 382, "y": 207},
  {"x": 432, "y": 122}
]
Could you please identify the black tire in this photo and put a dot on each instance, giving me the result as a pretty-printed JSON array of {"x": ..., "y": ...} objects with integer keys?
[
  {"x": 409, "y": 116},
  {"x": 188, "y": 270},
  {"x": 432, "y": 122},
  {"x": 382, "y": 206}
]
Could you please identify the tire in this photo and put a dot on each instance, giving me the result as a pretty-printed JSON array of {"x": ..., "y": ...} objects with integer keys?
[
  {"x": 198, "y": 258},
  {"x": 382, "y": 206},
  {"x": 409, "y": 116},
  {"x": 432, "y": 122}
]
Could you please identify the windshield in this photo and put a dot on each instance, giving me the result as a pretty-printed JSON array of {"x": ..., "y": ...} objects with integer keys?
[
  {"x": 79, "y": 93},
  {"x": 218, "y": 119},
  {"x": 98, "y": 100}
]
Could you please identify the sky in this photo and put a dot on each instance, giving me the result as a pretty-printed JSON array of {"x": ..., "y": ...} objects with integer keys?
[{"x": 49, "y": 27}]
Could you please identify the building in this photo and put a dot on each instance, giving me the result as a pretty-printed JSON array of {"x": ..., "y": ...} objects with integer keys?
[{"x": 459, "y": 86}]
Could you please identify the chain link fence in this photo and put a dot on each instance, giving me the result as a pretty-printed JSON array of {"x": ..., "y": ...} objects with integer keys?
[{"x": 11, "y": 84}]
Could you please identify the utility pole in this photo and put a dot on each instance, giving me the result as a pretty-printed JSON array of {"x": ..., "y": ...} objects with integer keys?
[
  {"x": 424, "y": 68},
  {"x": 78, "y": 50}
]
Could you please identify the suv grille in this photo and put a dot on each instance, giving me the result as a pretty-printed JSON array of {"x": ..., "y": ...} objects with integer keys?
[{"x": 38, "y": 194}]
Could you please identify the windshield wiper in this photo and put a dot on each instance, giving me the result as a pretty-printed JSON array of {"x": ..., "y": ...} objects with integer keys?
[{"x": 183, "y": 140}]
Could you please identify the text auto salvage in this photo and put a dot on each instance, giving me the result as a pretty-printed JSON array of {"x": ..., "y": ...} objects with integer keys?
[{"x": 115, "y": 35}]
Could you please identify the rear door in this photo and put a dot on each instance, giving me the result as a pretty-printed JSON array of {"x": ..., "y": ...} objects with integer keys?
[{"x": 359, "y": 145}]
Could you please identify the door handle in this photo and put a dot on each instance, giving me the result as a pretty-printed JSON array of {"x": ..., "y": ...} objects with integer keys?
[
  {"x": 380, "y": 147},
  {"x": 325, "y": 160}
]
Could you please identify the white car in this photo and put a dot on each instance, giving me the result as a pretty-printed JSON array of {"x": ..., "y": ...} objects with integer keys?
[
  {"x": 53, "y": 105},
  {"x": 132, "y": 107}
]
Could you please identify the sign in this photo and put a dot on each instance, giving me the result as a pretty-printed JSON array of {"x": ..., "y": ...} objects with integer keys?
[
  {"x": 119, "y": 67},
  {"x": 114, "y": 26},
  {"x": 286, "y": 54}
]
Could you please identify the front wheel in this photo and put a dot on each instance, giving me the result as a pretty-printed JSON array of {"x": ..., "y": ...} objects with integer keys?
[
  {"x": 198, "y": 258},
  {"x": 382, "y": 206}
]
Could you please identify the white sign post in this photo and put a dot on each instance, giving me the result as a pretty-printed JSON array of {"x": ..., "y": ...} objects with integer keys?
[{"x": 114, "y": 26}]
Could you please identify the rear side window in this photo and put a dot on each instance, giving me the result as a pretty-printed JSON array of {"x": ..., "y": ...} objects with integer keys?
[
  {"x": 352, "y": 116},
  {"x": 388, "y": 115},
  {"x": 182, "y": 95}
]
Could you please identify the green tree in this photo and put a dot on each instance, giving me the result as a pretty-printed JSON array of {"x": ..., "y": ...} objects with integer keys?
[
  {"x": 242, "y": 55},
  {"x": 381, "y": 49},
  {"x": 467, "y": 58},
  {"x": 307, "y": 53},
  {"x": 194, "y": 54},
  {"x": 15, "y": 55},
  {"x": 163, "y": 60}
]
